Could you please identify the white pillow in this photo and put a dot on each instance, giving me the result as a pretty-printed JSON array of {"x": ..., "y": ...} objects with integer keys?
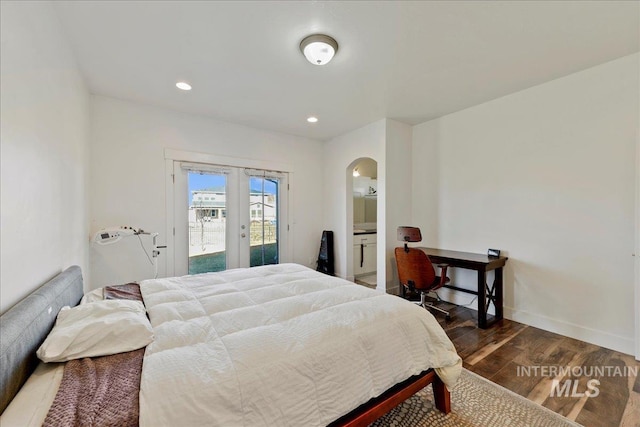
[
  {"x": 93, "y": 296},
  {"x": 97, "y": 329}
]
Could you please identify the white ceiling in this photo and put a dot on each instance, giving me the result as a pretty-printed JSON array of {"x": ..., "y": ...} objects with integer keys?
[{"x": 410, "y": 61}]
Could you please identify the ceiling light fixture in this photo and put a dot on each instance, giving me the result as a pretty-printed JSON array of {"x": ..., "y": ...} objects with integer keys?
[
  {"x": 183, "y": 85},
  {"x": 355, "y": 172},
  {"x": 312, "y": 119},
  {"x": 318, "y": 48}
]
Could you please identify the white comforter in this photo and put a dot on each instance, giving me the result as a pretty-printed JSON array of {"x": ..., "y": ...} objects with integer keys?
[{"x": 279, "y": 345}]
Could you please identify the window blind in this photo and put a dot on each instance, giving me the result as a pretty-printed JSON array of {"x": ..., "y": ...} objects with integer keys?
[
  {"x": 265, "y": 173},
  {"x": 204, "y": 168}
]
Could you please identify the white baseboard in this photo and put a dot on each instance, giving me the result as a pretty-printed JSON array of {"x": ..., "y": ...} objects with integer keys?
[{"x": 593, "y": 336}]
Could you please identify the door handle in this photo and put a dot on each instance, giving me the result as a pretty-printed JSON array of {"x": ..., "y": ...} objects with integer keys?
[{"x": 361, "y": 255}]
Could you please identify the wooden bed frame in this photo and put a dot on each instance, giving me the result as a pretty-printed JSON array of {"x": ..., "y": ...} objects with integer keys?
[
  {"x": 379, "y": 406},
  {"x": 25, "y": 326}
]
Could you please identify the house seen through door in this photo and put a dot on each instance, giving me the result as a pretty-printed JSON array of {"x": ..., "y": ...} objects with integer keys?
[{"x": 227, "y": 217}]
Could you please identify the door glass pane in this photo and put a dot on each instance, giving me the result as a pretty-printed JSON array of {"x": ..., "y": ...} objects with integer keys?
[
  {"x": 264, "y": 218},
  {"x": 207, "y": 222}
]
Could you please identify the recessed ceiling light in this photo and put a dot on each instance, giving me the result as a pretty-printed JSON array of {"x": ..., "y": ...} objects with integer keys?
[
  {"x": 312, "y": 119},
  {"x": 318, "y": 48},
  {"x": 183, "y": 85}
]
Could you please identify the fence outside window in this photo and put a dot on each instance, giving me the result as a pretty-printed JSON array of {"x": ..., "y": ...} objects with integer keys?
[{"x": 212, "y": 233}]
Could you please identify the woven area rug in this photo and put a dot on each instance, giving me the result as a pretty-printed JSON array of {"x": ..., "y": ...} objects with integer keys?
[{"x": 475, "y": 402}]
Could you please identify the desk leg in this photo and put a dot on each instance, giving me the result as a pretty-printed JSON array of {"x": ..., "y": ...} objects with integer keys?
[
  {"x": 482, "y": 299},
  {"x": 499, "y": 294}
]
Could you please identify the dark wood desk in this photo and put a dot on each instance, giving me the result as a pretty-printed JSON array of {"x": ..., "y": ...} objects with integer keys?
[{"x": 486, "y": 293}]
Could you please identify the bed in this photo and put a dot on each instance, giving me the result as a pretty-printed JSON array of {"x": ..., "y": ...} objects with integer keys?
[{"x": 272, "y": 345}]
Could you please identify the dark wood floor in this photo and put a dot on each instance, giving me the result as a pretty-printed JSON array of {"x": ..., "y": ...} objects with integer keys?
[{"x": 502, "y": 353}]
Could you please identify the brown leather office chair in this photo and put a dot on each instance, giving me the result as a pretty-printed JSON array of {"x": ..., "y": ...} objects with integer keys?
[{"x": 415, "y": 270}]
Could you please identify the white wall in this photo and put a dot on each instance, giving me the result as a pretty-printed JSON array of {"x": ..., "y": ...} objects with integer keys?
[
  {"x": 388, "y": 142},
  {"x": 128, "y": 177},
  {"x": 340, "y": 155},
  {"x": 44, "y": 149},
  {"x": 547, "y": 175},
  {"x": 637, "y": 251},
  {"x": 424, "y": 176},
  {"x": 397, "y": 199}
]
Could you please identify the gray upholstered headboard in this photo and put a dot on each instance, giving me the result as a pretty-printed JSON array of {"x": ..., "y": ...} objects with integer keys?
[{"x": 24, "y": 327}]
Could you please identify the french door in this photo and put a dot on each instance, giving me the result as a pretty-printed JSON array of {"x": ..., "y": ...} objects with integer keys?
[{"x": 227, "y": 217}]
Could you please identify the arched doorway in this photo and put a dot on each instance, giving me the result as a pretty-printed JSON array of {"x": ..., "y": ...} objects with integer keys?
[{"x": 363, "y": 220}]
